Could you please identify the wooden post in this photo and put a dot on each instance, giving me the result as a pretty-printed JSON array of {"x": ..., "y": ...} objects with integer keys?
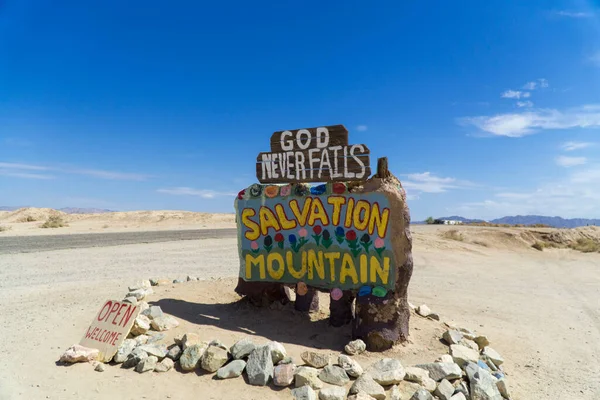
[
  {"x": 340, "y": 311},
  {"x": 382, "y": 168}
]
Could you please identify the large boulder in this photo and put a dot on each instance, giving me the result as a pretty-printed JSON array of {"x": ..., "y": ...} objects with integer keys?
[
  {"x": 158, "y": 350},
  {"x": 140, "y": 326},
  {"x": 366, "y": 384},
  {"x": 492, "y": 355},
  {"x": 334, "y": 375},
  {"x": 213, "y": 358},
  {"x": 242, "y": 349},
  {"x": 439, "y": 371},
  {"x": 164, "y": 323},
  {"x": 191, "y": 356},
  {"x": 483, "y": 386},
  {"x": 278, "y": 352},
  {"x": 462, "y": 355},
  {"x": 259, "y": 367},
  {"x": 445, "y": 390},
  {"x": 78, "y": 353},
  {"x": 283, "y": 374},
  {"x": 307, "y": 376},
  {"x": 387, "y": 371},
  {"x": 315, "y": 360}
]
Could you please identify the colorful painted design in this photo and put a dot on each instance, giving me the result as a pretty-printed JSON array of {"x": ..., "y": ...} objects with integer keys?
[{"x": 326, "y": 241}]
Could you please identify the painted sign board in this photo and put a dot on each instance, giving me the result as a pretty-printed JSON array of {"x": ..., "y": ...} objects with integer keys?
[
  {"x": 109, "y": 328},
  {"x": 324, "y": 236},
  {"x": 319, "y": 154}
]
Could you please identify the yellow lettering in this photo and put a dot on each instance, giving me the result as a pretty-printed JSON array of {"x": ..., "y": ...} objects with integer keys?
[
  {"x": 377, "y": 270},
  {"x": 337, "y": 202},
  {"x": 363, "y": 268},
  {"x": 283, "y": 219},
  {"x": 381, "y": 220},
  {"x": 331, "y": 257},
  {"x": 275, "y": 274},
  {"x": 301, "y": 216},
  {"x": 258, "y": 260},
  {"x": 362, "y": 207},
  {"x": 267, "y": 220},
  {"x": 317, "y": 212},
  {"x": 253, "y": 231},
  {"x": 314, "y": 263},
  {"x": 348, "y": 269},
  {"x": 349, "y": 209},
  {"x": 289, "y": 256}
]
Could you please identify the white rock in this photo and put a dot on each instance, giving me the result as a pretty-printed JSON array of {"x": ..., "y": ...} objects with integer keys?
[
  {"x": 483, "y": 386},
  {"x": 190, "y": 339},
  {"x": 458, "y": 396},
  {"x": 146, "y": 365},
  {"x": 130, "y": 300},
  {"x": 164, "y": 323},
  {"x": 423, "y": 310},
  {"x": 140, "y": 326},
  {"x": 78, "y": 353},
  {"x": 445, "y": 390},
  {"x": 278, "y": 352},
  {"x": 141, "y": 339},
  {"x": 307, "y": 376},
  {"x": 332, "y": 393},
  {"x": 463, "y": 355},
  {"x": 100, "y": 367},
  {"x": 366, "y": 384},
  {"x": 351, "y": 366},
  {"x": 452, "y": 336},
  {"x": 493, "y": 355},
  {"x": 334, "y": 375},
  {"x": 231, "y": 370},
  {"x": 304, "y": 393},
  {"x": 387, "y": 371},
  {"x": 439, "y": 371},
  {"x": 124, "y": 350},
  {"x": 470, "y": 344},
  {"x": 446, "y": 358},
  {"x": 420, "y": 376},
  {"x": 143, "y": 306},
  {"x": 355, "y": 347},
  {"x": 165, "y": 365},
  {"x": 153, "y": 312},
  {"x": 139, "y": 294}
]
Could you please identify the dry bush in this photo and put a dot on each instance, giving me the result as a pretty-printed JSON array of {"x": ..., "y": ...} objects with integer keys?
[
  {"x": 4, "y": 228},
  {"x": 104, "y": 226},
  {"x": 539, "y": 246},
  {"x": 586, "y": 245},
  {"x": 54, "y": 221},
  {"x": 453, "y": 234},
  {"x": 28, "y": 218}
]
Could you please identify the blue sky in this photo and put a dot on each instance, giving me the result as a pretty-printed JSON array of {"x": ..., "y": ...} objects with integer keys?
[{"x": 484, "y": 108}]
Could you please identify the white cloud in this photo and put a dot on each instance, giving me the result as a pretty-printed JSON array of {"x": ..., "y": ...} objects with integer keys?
[
  {"x": 28, "y": 167},
  {"x": 16, "y": 170},
  {"x": 565, "y": 161},
  {"x": 429, "y": 183},
  {"x": 539, "y": 84},
  {"x": 543, "y": 83},
  {"x": 24, "y": 175},
  {"x": 530, "y": 86},
  {"x": 515, "y": 94},
  {"x": 362, "y": 128},
  {"x": 524, "y": 103},
  {"x": 187, "y": 191},
  {"x": 574, "y": 14},
  {"x": 111, "y": 175},
  {"x": 528, "y": 122},
  {"x": 570, "y": 146}
]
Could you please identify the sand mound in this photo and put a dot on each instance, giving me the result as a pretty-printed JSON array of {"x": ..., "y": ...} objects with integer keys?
[
  {"x": 152, "y": 217},
  {"x": 569, "y": 236},
  {"x": 31, "y": 214}
]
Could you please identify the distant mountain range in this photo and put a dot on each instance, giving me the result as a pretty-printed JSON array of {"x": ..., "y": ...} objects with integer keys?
[
  {"x": 68, "y": 210},
  {"x": 556, "y": 222}
]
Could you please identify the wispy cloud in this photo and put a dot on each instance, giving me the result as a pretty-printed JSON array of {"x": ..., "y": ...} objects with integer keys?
[
  {"x": 16, "y": 170},
  {"x": 24, "y": 175},
  {"x": 529, "y": 122},
  {"x": 526, "y": 103},
  {"x": 427, "y": 182},
  {"x": 565, "y": 161},
  {"x": 573, "y": 14},
  {"x": 362, "y": 128},
  {"x": 538, "y": 84},
  {"x": 28, "y": 167},
  {"x": 515, "y": 94},
  {"x": 110, "y": 175},
  {"x": 571, "y": 146},
  {"x": 188, "y": 191}
]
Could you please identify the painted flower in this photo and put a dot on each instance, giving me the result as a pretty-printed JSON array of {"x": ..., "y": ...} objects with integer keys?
[
  {"x": 339, "y": 231},
  {"x": 319, "y": 189},
  {"x": 255, "y": 190},
  {"x": 241, "y": 194},
  {"x": 339, "y": 188},
  {"x": 268, "y": 240},
  {"x": 292, "y": 238},
  {"x": 379, "y": 243},
  {"x": 279, "y": 238},
  {"x": 301, "y": 189},
  {"x": 271, "y": 191},
  {"x": 365, "y": 238},
  {"x": 326, "y": 235},
  {"x": 317, "y": 229},
  {"x": 285, "y": 190},
  {"x": 254, "y": 245},
  {"x": 350, "y": 235},
  {"x": 302, "y": 232}
]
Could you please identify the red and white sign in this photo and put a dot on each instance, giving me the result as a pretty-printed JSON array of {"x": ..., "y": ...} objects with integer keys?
[{"x": 110, "y": 328}]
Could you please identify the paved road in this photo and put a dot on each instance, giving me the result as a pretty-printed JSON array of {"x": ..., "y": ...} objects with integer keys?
[{"x": 30, "y": 244}]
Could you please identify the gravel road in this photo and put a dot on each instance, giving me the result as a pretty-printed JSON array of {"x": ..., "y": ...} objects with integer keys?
[{"x": 31, "y": 244}]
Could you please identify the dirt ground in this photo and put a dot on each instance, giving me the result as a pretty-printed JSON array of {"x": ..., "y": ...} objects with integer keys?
[{"x": 541, "y": 311}]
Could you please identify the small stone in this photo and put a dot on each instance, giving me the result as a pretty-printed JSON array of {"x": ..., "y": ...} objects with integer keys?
[
  {"x": 304, "y": 393},
  {"x": 452, "y": 336},
  {"x": 467, "y": 333},
  {"x": 420, "y": 376},
  {"x": 461, "y": 387},
  {"x": 190, "y": 278},
  {"x": 146, "y": 365},
  {"x": 260, "y": 366},
  {"x": 164, "y": 366},
  {"x": 471, "y": 369},
  {"x": 483, "y": 386},
  {"x": 439, "y": 371},
  {"x": 502, "y": 388},
  {"x": 242, "y": 349},
  {"x": 100, "y": 367},
  {"x": 395, "y": 392},
  {"x": 218, "y": 343},
  {"x": 307, "y": 376},
  {"x": 334, "y": 375},
  {"x": 462, "y": 355},
  {"x": 164, "y": 323},
  {"x": 140, "y": 285},
  {"x": 482, "y": 341},
  {"x": 231, "y": 370},
  {"x": 367, "y": 385},
  {"x": 489, "y": 363},
  {"x": 283, "y": 374},
  {"x": 434, "y": 316},
  {"x": 423, "y": 310},
  {"x": 191, "y": 356},
  {"x": 286, "y": 360},
  {"x": 177, "y": 281},
  {"x": 445, "y": 390},
  {"x": 157, "y": 350},
  {"x": 278, "y": 352},
  {"x": 139, "y": 294},
  {"x": 130, "y": 300},
  {"x": 470, "y": 344},
  {"x": 315, "y": 360},
  {"x": 174, "y": 353},
  {"x": 458, "y": 396},
  {"x": 124, "y": 350},
  {"x": 178, "y": 339},
  {"x": 190, "y": 339},
  {"x": 154, "y": 337},
  {"x": 78, "y": 353},
  {"x": 332, "y": 393},
  {"x": 214, "y": 358},
  {"x": 142, "y": 339},
  {"x": 153, "y": 312},
  {"x": 493, "y": 355},
  {"x": 407, "y": 389},
  {"x": 140, "y": 326},
  {"x": 422, "y": 394},
  {"x": 360, "y": 396},
  {"x": 355, "y": 347},
  {"x": 143, "y": 306},
  {"x": 135, "y": 357},
  {"x": 351, "y": 366},
  {"x": 446, "y": 358},
  {"x": 387, "y": 371},
  {"x": 154, "y": 281}
]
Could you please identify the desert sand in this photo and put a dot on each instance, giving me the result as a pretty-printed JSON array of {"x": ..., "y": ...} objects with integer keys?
[{"x": 540, "y": 309}]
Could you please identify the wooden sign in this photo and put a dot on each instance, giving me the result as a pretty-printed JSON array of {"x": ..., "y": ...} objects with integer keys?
[
  {"x": 109, "y": 328},
  {"x": 335, "y": 239},
  {"x": 319, "y": 154}
]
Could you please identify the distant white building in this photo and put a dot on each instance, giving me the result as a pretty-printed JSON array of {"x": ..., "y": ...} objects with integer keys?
[{"x": 451, "y": 222}]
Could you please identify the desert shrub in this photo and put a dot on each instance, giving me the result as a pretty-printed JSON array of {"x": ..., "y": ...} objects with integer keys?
[
  {"x": 453, "y": 234},
  {"x": 54, "y": 221},
  {"x": 104, "y": 226},
  {"x": 4, "y": 228},
  {"x": 586, "y": 245},
  {"x": 539, "y": 246},
  {"x": 28, "y": 218}
]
